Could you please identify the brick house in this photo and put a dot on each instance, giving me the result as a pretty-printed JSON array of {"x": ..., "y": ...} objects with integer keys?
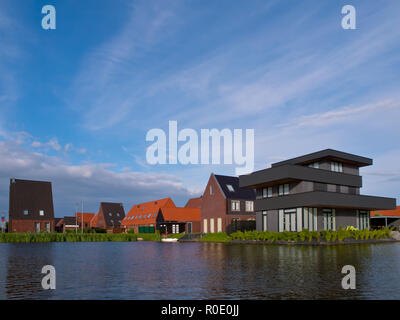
[
  {"x": 142, "y": 217},
  {"x": 225, "y": 207},
  {"x": 86, "y": 217},
  {"x": 31, "y": 206},
  {"x": 178, "y": 220},
  {"x": 109, "y": 217},
  {"x": 194, "y": 203}
]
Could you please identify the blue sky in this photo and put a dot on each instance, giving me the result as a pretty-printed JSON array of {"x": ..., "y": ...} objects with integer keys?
[{"x": 76, "y": 102}]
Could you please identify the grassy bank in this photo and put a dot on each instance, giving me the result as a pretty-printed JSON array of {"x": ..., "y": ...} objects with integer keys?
[
  {"x": 65, "y": 237},
  {"x": 303, "y": 236},
  {"x": 315, "y": 236}
]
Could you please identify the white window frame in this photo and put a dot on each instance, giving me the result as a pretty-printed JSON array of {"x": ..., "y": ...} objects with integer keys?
[
  {"x": 219, "y": 224},
  {"x": 41, "y": 213},
  {"x": 205, "y": 226},
  {"x": 249, "y": 206},
  {"x": 211, "y": 225},
  {"x": 235, "y": 205}
]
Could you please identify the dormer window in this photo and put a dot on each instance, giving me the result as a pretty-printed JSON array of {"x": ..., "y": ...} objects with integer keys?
[
  {"x": 41, "y": 213},
  {"x": 336, "y": 166},
  {"x": 230, "y": 188}
]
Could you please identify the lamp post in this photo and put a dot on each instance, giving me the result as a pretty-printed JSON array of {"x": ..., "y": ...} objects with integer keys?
[{"x": 82, "y": 217}]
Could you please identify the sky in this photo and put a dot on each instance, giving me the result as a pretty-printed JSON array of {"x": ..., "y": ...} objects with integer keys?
[{"x": 77, "y": 102}]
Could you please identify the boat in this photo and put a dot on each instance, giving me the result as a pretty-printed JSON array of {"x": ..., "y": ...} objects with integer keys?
[{"x": 169, "y": 240}]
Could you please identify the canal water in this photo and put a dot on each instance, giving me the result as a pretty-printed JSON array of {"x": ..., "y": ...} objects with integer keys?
[{"x": 149, "y": 270}]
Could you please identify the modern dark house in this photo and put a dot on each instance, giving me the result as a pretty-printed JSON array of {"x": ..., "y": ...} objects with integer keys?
[
  {"x": 317, "y": 191},
  {"x": 109, "y": 217},
  {"x": 225, "y": 207},
  {"x": 31, "y": 206}
]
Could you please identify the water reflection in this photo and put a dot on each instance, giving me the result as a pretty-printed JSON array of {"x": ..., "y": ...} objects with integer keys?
[{"x": 146, "y": 270}]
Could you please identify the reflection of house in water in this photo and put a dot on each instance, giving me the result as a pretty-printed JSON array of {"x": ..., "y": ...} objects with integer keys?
[{"x": 385, "y": 218}]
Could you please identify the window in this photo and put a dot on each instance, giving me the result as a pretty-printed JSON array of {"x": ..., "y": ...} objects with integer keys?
[
  {"x": 26, "y": 212},
  {"x": 212, "y": 225},
  {"x": 117, "y": 214},
  {"x": 112, "y": 221},
  {"x": 211, "y": 190},
  {"x": 267, "y": 192},
  {"x": 41, "y": 212},
  {"x": 219, "y": 225},
  {"x": 287, "y": 220},
  {"x": 37, "y": 226},
  {"x": 344, "y": 189},
  {"x": 205, "y": 226},
  {"x": 329, "y": 219},
  {"x": 47, "y": 226},
  {"x": 264, "y": 220},
  {"x": 314, "y": 165},
  {"x": 110, "y": 214},
  {"x": 235, "y": 205},
  {"x": 310, "y": 219},
  {"x": 249, "y": 206},
  {"x": 363, "y": 219},
  {"x": 283, "y": 189},
  {"x": 230, "y": 188},
  {"x": 336, "y": 166}
]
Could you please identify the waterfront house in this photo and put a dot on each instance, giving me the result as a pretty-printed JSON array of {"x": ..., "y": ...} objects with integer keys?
[
  {"x": 67, "y": 223},
  {"x": 225, "y": 207},
  {"x": 109, "y": 217},
  {"x": 142, "y": 217},
  {"x": 178, "y": 220},
  {"x": 86, "y": 217},
  {"x": 30, "y": 206},
  {"x": 162, "y": 215},
  {"x": 385, "y": 218},
  {"x": 317, "y": 191}
]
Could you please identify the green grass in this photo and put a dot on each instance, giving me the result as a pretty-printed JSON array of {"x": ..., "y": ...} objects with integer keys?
[
  {"x": 216, "y": 237},
  {"x": 149, "y": 236},
  {"x": 176, "y": 235},
  {"x": 308, "y": 236},
  {"x": 65, "y": 237}
]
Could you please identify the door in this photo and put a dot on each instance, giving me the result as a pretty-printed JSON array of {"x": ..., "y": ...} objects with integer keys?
[
  {"x": 189, "y": 227},
  {"x": 37, "y": 226}
]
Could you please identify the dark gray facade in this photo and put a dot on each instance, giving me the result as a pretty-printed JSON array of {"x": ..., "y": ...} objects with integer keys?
[{"x": 317, "y": 191}]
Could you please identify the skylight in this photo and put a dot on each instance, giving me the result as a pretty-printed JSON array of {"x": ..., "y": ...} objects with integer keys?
[{"x": 230, "y": 188}]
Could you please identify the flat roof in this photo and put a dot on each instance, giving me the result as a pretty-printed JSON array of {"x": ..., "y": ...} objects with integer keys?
[{"x": 327, "y": 153}]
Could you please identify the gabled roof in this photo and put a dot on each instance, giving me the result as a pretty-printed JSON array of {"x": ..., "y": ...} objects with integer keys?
[
  {"x": 87, "y": 216},
  {"x": 225, "y": 182},
  {"x": 94, "y": 221},
  {"x": 194, "y": 203},
  {"x": 387, "y": 213},
  {"x": 180, "y": 214},
  {"x": 113, "y": 213},
  {"x": 146, "y": 213}
]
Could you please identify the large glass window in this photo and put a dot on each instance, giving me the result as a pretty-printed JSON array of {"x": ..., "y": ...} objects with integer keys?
[
  {"x": 283, "y": 189},
  {"x": 267, "y": 192},
  {"x": 314, "y": 165},
  {"x": 336, "y": 166},
  {"x": 310, "y": 219},
  {"x": 287, "y": 220},
  {"x": 363, "y": 219},
  {"x": 329, "y": 219}
]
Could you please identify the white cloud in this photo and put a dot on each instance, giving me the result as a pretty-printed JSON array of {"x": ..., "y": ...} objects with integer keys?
[{"x": 92, "y": 182}]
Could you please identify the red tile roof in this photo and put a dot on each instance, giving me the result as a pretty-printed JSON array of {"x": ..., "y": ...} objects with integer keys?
[
  {"x": 146, "y": 213},
  {"x": 387, "y": 213},
  {"x": 87, "y": 216},
  {"x": 94, "y": 220},
  {"x": 181, "y": 214},
  {"x": 194, "y": 203}
]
